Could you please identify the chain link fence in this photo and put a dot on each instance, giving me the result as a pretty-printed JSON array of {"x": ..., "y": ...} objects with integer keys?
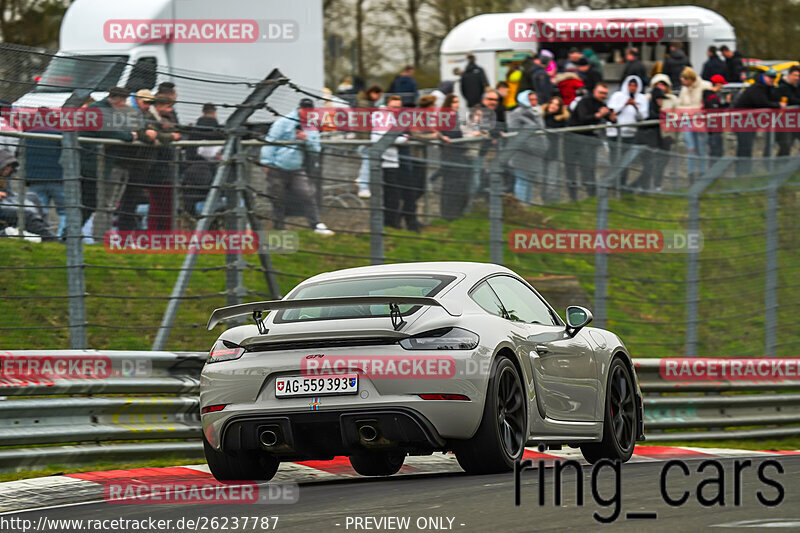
[{"x": 390, "y": 198}]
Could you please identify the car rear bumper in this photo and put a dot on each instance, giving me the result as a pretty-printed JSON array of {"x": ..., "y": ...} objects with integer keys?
[{"x": 324, "y": 434}]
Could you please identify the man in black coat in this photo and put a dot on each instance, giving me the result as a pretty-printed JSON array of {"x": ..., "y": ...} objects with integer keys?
[
  {"x": 634, "y": 66},
  {"x": 788, "y": 90},
  {"x": 473, "y": 82},
  {"x": 714, "y": 66},
  {"x": 581, "y": 149},
  {"x": 675, "y": 62},
  {"x": 760, "y": 95},
  {"x": 734, "y": 64}
]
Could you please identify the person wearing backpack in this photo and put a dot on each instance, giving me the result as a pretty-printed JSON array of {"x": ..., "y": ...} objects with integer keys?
[{"x": 473, "y": 82}]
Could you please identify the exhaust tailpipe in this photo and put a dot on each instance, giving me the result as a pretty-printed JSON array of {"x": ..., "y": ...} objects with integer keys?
[
  {"x": 367, "y": 433},
  {"x": 268, "y": 438}
]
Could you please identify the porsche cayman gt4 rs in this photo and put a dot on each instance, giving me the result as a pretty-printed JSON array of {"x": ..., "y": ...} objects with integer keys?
[{"x": 380, "y": 362}]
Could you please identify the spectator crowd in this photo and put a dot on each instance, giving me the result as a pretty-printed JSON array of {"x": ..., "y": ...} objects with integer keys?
[{"x": 540, "y": 93}]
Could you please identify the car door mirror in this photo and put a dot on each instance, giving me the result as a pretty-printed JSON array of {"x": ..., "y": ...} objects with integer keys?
[{"x": 577, "y": 318}]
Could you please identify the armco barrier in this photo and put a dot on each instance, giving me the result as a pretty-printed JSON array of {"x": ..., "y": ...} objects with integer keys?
[{"x": 127, "y": 418}]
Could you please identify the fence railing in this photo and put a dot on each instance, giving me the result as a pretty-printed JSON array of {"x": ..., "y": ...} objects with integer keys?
[
  {"x": 458, "y": 200},
  {"x": 74, "y": 421}
]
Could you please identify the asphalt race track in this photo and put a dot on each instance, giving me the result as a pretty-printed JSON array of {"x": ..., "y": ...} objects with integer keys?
[{"x": 454, "y": 501}]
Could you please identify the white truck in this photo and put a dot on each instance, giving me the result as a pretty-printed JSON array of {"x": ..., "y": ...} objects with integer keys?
[
  {"x": 489, "y": 38},
  {"x": 142, "y": 43}
]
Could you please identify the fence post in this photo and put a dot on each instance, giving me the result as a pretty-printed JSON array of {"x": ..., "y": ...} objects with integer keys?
[
  {"x": 771, "y": 274},
  {"x": 235, "y": 221},
  {"x": 175, "y": 180},
  {"x": 693, "y": 261},
  {"x": 376, "y": 211},
  {"x": 610, "y": 180},
  {"x": 234, "y": 122},
  {"x": 76, "y": 283},
  {"x": 22, "y": 190}
]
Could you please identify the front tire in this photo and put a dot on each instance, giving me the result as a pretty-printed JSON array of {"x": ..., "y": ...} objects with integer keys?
[
  {"x": 248, "y": 465},
  {"x": 621, "y": 418},
  {"x": 379, "y": 463},
  {"x": 500, "y": 439}
]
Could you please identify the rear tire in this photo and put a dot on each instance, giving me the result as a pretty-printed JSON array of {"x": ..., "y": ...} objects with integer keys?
[
  {"x": 501, "y": 437},
  {"x": 620, "y": 421},
  {"x": 248, "y": 465},
  {"x": 380, "y": 463}
]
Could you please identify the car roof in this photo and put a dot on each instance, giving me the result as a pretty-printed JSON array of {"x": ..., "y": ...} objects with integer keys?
[{"x": 468, "y": 269}]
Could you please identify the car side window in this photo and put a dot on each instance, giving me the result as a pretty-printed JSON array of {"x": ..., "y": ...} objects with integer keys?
[
  {"x": 521, "y": 303},
  {"x": 487, "y": 299}
]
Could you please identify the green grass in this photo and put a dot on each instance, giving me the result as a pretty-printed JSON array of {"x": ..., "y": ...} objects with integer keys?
[
  {"x": 646, "y": 291},
  {"x": 55, "y": 470}
]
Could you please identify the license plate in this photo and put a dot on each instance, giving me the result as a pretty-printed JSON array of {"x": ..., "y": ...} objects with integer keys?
[{"x": 316, "y": 386}]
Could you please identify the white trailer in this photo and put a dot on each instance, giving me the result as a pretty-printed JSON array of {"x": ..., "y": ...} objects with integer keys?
[
  {"x": 488, "y": 38},
  {"x": 131, "y": 37}
]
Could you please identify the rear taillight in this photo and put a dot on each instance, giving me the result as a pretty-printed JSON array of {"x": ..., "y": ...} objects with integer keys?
[
  {"x": 224, "y": 352},
  {"x": 444, "y": 397},
  {"x": 442, "y": 339},
  {"x": 212, "y": 408}
]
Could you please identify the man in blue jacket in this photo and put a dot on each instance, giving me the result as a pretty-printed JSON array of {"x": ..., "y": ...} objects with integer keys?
[{"x": 285, "y": 167}]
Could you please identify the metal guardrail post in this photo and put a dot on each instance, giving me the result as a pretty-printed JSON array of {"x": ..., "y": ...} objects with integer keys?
[
  {"x": 771, "y": 269},
  {"x": 693, "y": 263},
  {"x": 376, "y": 186},
  {"x": 610, "y": 180},
  {"x": 254, "y": 100}
]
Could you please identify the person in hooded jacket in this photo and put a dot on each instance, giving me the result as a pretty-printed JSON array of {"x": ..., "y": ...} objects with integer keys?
[
  {"x": 655, "y": 157},
  {"x": 675, "y": 62},
  {"x": 35, "y": 216},
  {"x": 528, "y": 163},
  {"x": 631, "y": 105},
  {"x": 473, "y": 82}
]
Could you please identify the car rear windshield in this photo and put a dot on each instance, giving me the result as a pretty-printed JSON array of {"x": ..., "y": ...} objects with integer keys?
[
  {"x": 66, "y": 73},
  {"x": 373, "y": 286}
]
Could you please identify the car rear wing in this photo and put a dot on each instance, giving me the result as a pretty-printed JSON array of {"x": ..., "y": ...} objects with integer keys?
[{"x": 256, "y": 308}]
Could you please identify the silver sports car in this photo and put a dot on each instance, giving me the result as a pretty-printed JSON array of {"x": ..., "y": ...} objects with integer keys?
[{"x": 381, "y": 362}]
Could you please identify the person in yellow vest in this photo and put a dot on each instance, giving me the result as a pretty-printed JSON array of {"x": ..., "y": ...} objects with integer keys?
[{"x": 512, "y": 79}]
